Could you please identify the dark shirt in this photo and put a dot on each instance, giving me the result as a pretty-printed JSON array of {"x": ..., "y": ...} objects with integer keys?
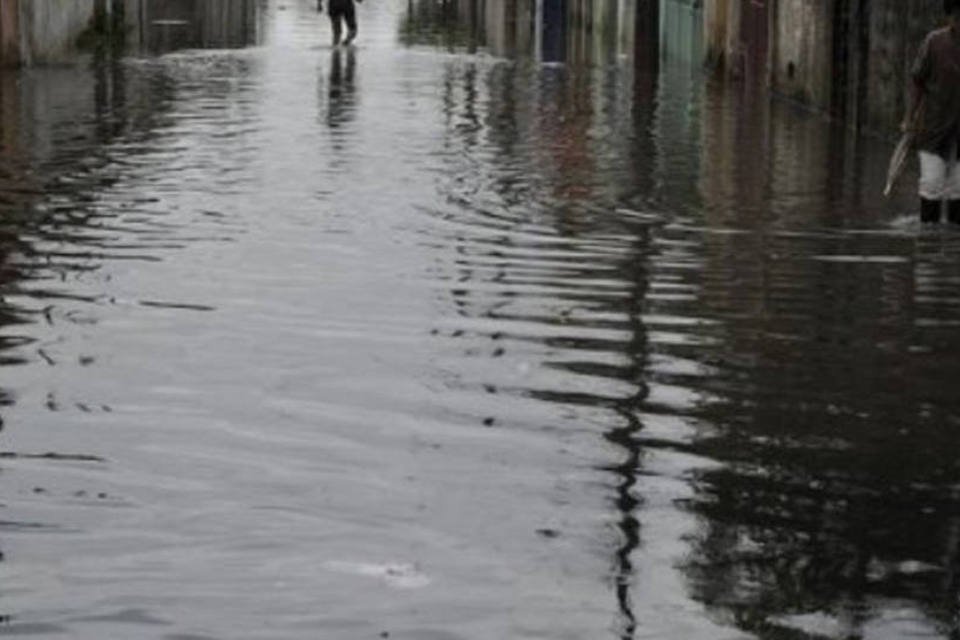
[
  {"x": 937, "y": 75},
  {"x": 341, "y": 6}
]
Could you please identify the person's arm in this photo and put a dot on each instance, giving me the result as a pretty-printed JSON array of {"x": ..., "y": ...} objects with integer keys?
[
  {"x": 914, "y": 104},
  {"x": 919, "y": 77}
]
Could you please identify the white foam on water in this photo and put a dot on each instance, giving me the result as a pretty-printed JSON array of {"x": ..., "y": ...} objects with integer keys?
[{"x": 399, "y": 575}]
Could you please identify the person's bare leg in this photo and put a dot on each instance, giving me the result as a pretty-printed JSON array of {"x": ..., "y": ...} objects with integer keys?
[
  {"x": 337, "y": 23},
  {"x": 351, "y": 19},
  {"x": 952, "y": 195},
  {"x": 933, "y": 184}
]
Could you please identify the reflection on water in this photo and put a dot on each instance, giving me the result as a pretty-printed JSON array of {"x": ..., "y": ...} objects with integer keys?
[
  {"x": 167, "y": 25},
  {"x": 402, "y": 338},
  {"x": 552, "y": 31},
  {"x": 341, "y": 94},
  {"x": 784, "y": 368}
]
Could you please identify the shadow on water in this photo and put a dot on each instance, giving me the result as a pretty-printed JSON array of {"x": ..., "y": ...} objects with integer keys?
[{"x": 760, "y": 296}]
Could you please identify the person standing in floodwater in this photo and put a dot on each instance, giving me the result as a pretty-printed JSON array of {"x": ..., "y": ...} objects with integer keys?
[
  {"x": 340, "y": 12},
  {"x": 934, "y": 117}
]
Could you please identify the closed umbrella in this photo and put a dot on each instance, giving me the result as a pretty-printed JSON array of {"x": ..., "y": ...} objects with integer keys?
[
  {"x": 898, "y": 161},
  {"x": 899, "y": 158}
]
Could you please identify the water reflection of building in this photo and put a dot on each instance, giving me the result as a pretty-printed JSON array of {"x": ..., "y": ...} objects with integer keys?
[
  {"x": 510, "y": 27},
  {"x": 49, "y": 31},
  {"x": 39, "y": 146},
  {"x": 9, "y": 33},
  {"x": 18, "y": 189},
  {"x": 163, "y": 25},
  {"x": 450, "y": 24},
  {"x": 831, "y": 499},
  {"x": 541, "y": 197},
  {"x": 551, "y": 30},
  {"x": 56, "y": 128},
  {"x": 561, "y": 134},
  {"x": 818, "y": 507},
  {"x": 682, "y": 30},
  {"x": 816, "y": 511}
]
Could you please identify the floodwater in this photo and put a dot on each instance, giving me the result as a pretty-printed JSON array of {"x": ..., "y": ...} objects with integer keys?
[{"x": 431, "y": 339}]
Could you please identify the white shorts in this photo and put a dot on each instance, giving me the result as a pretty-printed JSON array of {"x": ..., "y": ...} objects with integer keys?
[{"x": 939, "y": 179}]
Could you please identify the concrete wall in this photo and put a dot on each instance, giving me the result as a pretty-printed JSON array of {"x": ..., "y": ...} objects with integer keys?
[
  {"x": 896, "y": 30},
  {"x": 228, "y": 23},
  {"x": 681, "y": 32},
  {"x": 9, "y": 32},
  {"x": 801, "y": 51},
  {"x": 163, "y": 25},
  {"x": 508, "y": 25},
  {"x": 594, "y": 33},
  {"x": 44, "y": 31},
  {"x": 49, "y": 28},
  {"x": 47, "y": 31},
  {"x": 849, "y": 58},
  {"x": 716, "y": 28}
]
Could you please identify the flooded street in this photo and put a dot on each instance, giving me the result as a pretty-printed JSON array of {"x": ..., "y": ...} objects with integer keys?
[{"x": 455, "y": 336}]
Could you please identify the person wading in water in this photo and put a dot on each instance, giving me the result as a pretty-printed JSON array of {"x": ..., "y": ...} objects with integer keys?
[
  {"x": 341, "y": 11},
  {"x": 934, "y": 117}
]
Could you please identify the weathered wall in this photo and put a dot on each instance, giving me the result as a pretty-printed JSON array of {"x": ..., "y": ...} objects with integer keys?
[
  {"x": 229, "y": 23},
  {"x": 9, "y": 32},
  {"x": 49, "y": 28},
  {"x": 593, "y": 30},
  {"x": 508, "y": 25},
  {"x": 161, "y": 25},
  {"x": 755, "y": 22},
  {"x": 716, "y": 28},
  {"x": 895, "y": 30},
  {"x": 47, "y": 31},
  {"x": 730, "y": 36},
  {"x": 681, "y": 24},
  {"x": 802, "y": 62},
  {"x": 849, "y": 58}
]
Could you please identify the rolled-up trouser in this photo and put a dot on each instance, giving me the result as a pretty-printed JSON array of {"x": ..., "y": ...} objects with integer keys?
[
  {"x": 940, "y": 177},
  {"x": 343, "y": 11}
]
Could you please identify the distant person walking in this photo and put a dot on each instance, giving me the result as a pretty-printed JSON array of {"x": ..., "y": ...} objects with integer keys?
[
  {"x": 934, "y": 117},
  {"x": 341, "y": 11}
]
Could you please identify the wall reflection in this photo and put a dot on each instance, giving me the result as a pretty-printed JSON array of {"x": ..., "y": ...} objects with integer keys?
[
  {"x": 590, "y": 31},
  {"x": 817, "y": 449},
  {"x": 50, "y": 175},
  {"x": 65, "y": 134},
  {"x": 167, "y": 25},
  {"x": 449, "y": 24}
]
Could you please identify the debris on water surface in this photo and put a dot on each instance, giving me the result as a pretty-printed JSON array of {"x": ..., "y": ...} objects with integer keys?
[{"x": 397, "y": 575}]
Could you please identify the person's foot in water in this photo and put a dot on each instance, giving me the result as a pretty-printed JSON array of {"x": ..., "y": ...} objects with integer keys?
[
  {"x": 337, "y": 31},
  {"x": 953, "y": 211},
  {"x": 929, "y": 211}
]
